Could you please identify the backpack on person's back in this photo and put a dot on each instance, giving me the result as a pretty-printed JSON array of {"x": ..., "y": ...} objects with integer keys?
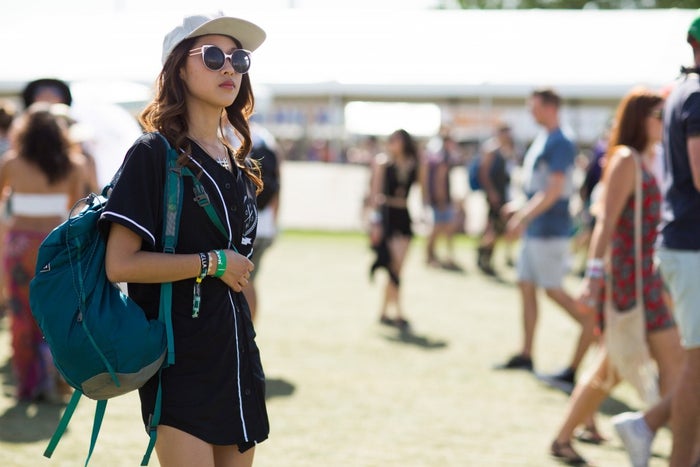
[{"x": 101, "y": 341}]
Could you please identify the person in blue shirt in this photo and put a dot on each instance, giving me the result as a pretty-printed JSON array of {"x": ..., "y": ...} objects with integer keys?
[
  {"x": 544, "y": 223},
  {"x": 679, "y": 246}
]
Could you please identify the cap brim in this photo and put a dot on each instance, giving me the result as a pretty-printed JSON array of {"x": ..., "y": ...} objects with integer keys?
[{"x": 248, "y": 34}]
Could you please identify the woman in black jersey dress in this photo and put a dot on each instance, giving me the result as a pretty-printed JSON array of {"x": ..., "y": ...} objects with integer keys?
[
  {"x": 394, "y": 174},
  {"x": 213, "y": 406}
]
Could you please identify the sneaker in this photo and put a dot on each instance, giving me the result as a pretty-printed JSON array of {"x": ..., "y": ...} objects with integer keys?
[
  {"x": 636, "y": 436},
  {"x": 566, "y": 376},
  {"x": 564, "y": 381},
  {"x": 517, "y": 362}
]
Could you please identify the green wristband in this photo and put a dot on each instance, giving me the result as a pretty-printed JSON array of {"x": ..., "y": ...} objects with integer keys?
[{"x": 221, "y": 263}]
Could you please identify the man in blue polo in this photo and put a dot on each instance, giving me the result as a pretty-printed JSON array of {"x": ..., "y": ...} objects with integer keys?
[
  {"x": 679, "y": 248},
  {"x": 545, "y": 223}
]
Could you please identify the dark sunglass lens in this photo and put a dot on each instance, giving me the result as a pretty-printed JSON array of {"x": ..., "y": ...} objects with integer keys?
[
  {"x": 214, "y": 58},
  {"x": 240, "y": 60}
]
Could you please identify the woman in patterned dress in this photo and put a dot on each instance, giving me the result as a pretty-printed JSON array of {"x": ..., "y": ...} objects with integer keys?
[{"x": 634, "y": 140}]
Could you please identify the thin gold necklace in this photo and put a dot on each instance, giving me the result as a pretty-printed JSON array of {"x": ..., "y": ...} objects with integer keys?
[{"x": 222, "y": 161}]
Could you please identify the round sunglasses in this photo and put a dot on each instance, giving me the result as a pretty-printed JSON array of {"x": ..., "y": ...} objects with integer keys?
[{"x": 214, "y": 58}]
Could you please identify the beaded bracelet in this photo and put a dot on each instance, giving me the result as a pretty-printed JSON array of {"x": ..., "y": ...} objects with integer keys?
[
  {"x": 595, "y": 268},
  {"x": 213, "y": 263},
  {"x": 204, "y": 260},
  {"x": 221, "y": 266}
]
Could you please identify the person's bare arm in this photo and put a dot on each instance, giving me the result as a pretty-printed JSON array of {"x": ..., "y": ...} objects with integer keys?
[
  {"x": 442, "y": 197},
  {"x": 126, "y": 262},
  {"x": 621, "y": 180},
  {"x": 485, "y": 178},
  {"x": 5, "y": 164},
  {"x": 694, "y": 157},
  {"x": 543, "y": 200},
  {"x": 377, "y": 186},
  {"x": 538, "y": 204},
  {"x": 620, "y": 185}
]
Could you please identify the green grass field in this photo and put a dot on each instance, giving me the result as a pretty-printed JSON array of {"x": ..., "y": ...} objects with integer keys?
[{"x": 344, "y": 391}]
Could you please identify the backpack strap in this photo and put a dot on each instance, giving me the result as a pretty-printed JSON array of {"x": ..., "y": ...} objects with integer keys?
[
  {"x": 153, "y": 422},
  {"x": 172, "y": 208},
  {"x": 65, "y": 419},
  {"x": 63, "y": 423},
  {"x": 202, "y": 199},
  {"x": 96, "y": 424}
]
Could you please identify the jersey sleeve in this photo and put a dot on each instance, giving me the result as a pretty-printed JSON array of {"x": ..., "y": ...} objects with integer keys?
[
  {"x": 560, "y": 155},
  {"x": 691, "y": 114},
  {"x": 136, "y": 200}
]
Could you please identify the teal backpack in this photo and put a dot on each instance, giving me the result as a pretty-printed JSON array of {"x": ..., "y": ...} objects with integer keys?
[{"x": 101, "y": 341}]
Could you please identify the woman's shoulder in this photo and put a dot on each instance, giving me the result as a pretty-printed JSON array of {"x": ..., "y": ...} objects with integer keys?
[
  {"x": 9, "y": 158},
  {"x": 624, "y": 157},
  {"x": 381, "y": 160},
  {"x": 148, "y": 149},
  {"x": 150, "y": 141}
]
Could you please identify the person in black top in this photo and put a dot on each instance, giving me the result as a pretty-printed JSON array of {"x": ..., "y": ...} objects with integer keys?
[
  {"x": 213, "y": 397},
  {"x": 495, "y": 179},
  {"x": 268, "y": 206},
  {"x": 391, "y": 232}
]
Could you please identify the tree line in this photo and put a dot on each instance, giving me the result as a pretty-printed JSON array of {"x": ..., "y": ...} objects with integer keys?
[{"x": 579, "y": 4}]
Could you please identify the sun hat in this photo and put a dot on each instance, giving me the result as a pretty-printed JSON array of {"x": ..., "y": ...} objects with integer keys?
[
  {"x": 248, "y": 34},
  {"x": 694, "y": 29},
  {"x": 33, "y": 88}
]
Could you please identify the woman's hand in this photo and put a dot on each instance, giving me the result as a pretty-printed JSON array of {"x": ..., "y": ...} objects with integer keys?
[
  {"x": 375, "y": 234},
  {"x": 591, "y": 294},
  {"x": 238, "y": 269}
]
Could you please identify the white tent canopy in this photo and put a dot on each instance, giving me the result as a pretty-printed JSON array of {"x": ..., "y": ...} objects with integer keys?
[{"x": 586, "y": 53}]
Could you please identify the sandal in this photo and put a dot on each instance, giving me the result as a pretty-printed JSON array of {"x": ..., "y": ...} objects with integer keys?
[
  {"x": 565, "y": 453},
  {"x": 386, "y": 321},
  {"x": 402, "y": 324},
  {"x": 590, "y": 435}
]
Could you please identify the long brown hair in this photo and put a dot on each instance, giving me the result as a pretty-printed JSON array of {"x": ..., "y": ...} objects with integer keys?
[
  {"x": 629, "y": 128},
  {"x": 42, "y": 141},
  {"x": 168, "y": 111}
]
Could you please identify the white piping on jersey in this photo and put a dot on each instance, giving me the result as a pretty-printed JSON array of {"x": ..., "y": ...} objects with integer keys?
[
  {"x": 238, "y": 369},
  {"x": 233, "y": 306},
  {"x": 136, "y": 224}
]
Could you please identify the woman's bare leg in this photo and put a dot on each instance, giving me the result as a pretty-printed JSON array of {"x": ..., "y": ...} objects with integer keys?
[
  {"x": 175, "y": 448},
  {"x": 665, "y": 348},
  {"x": 398, "y": 247},
  {"x": 228, "y": 456},
  {"x": 589, "y": 393}
]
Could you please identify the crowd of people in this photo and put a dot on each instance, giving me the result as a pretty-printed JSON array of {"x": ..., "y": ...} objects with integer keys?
[
  {"x": 641, "y": 226},
  {"x": 638, "y": 300}
]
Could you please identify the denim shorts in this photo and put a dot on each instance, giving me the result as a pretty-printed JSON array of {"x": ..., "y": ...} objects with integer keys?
[{"x": 443, "y": 216}]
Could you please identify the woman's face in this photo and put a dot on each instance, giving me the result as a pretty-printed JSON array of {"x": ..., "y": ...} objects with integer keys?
[
  {"x": 394, "y": 146},
  {"x": 215, "y": 88},
  {"x": 655, "y": 124}
]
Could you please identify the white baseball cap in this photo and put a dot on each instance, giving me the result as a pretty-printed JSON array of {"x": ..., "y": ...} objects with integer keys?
[{"x": 248, "y": 34}]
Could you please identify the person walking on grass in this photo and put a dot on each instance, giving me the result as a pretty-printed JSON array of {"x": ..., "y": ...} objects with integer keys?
[
  {"x": 391, "y": 232},
  {"x": 495, "y": 180},
  {"x": 637, "y": 131},
  {"x": 265, "y": 153},
  {"x": 679, "y": 246},
  {"x": 213, "y": 397},
  {"x": 437, "y": 194},
  {"x": 545, "y": 224}
]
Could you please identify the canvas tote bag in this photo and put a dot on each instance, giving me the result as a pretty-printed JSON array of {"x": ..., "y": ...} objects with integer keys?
[{"x": 625, "y": 331}]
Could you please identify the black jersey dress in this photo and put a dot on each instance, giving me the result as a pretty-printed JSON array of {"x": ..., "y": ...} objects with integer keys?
[{"x": 216, "y": 388}]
